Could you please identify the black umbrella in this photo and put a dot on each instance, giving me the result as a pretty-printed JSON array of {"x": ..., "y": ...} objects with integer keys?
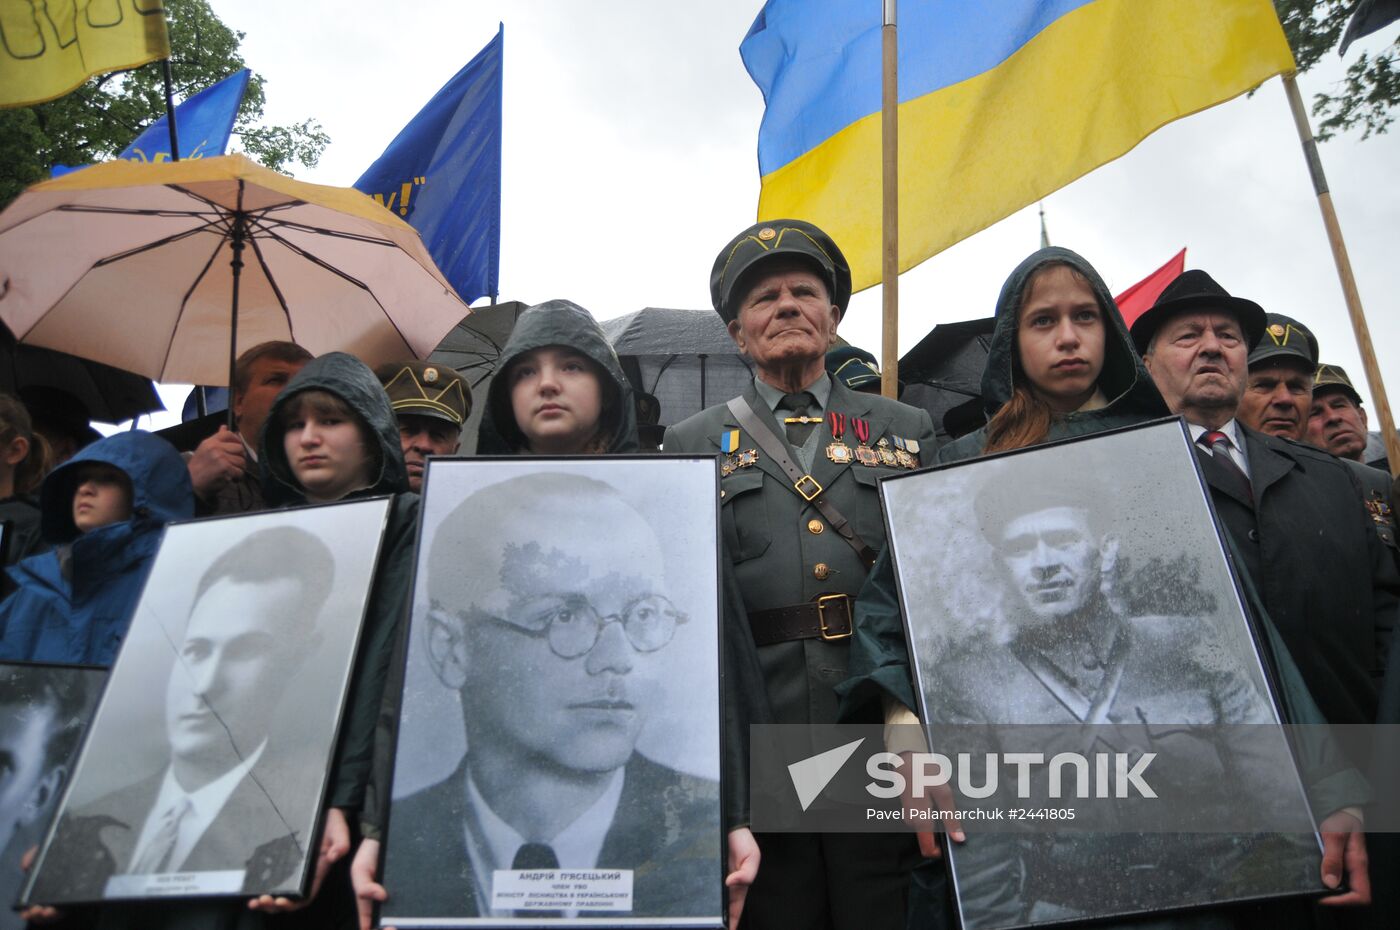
[
  {"x": 943, "y": 373},
  {"x": 108, "y": 394},
  {"x": 472, "y": 348},
  {"x": 683, "y": 358}
]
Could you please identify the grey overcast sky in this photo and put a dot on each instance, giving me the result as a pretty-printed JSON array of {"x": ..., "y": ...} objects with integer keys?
[{"x": 630, "y": 158}]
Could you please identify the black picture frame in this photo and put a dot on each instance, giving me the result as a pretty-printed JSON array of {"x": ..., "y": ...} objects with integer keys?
[
  {"x": 239, "y": 741},
  {"x": 1160, "y": 579},
  {"x": 630, "y": 738},
  {"x": 45, "y": 709}
]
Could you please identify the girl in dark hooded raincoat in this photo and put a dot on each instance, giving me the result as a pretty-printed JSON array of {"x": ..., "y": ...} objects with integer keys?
[
  {"x": 1061, "y": 367},
  {"x": 559, "y": 389}
]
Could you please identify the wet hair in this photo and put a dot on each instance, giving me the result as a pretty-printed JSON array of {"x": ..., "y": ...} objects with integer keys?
[
  {"x": 274, "y": 553},
  {"x": 325, "y": 404},
  {"x": 65, "y": 690},
  {"x": 276, "y": 349},
  {"x": 1025, "y": 419},
  {"x": 15, "y": 423},
  {"x": 610, "y": 414}
]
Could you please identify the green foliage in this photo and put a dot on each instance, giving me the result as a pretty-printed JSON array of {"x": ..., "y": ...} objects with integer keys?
[
  {"x": 1371, "y": 88},
  {"x": 105, "y": 114}
]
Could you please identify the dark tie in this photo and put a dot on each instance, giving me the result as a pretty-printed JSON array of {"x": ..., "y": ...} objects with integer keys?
[
  {"x": 1219, "y": 445},
  {"x": 795, "y": 407},
  {"x": 533, "y": 857}
]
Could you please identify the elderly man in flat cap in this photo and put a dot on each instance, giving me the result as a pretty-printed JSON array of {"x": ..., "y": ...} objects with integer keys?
[
  {"x": 801, "y": 455},
  {"x": 431, "y": 402}
]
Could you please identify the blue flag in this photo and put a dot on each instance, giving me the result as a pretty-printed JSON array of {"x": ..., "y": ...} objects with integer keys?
[
  {"x": 442, "y": 174},
  {"x": 204, "y": 123}
]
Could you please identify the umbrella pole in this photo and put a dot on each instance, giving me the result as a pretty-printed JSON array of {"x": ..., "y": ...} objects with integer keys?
[{"x": 240, "y": 233}]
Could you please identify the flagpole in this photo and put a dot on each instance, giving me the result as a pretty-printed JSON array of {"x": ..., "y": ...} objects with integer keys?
[
  {"x": 1349, "y": 290},
  {"x": 889, "y": 128}
]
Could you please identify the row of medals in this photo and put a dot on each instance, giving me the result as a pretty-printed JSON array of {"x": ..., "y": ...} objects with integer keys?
[{"x": 882, "y": 453}]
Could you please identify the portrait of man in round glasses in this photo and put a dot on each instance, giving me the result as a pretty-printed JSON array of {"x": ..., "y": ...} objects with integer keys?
[{"x": 550, "y": 615}]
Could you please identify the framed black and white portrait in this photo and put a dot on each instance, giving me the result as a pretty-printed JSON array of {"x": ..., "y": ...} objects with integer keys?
[
  {"x": 1076, "y": 598},
  {"x": 206, "y": 765},
  {"x": 44, "y": 711},
  {"x": 558, "y": 745}
]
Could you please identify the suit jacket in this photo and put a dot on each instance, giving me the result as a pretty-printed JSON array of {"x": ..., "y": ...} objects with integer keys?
[
  {"x": 666, "y": 829},
  {"x": 1320, "y": 568},
  {"x": 767, "y": 527},
  {"x": 98, "y": 841}
]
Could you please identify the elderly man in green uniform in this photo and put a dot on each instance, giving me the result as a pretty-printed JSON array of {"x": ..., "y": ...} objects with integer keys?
[
  {"x": 802, "y": 524},
  {"x": 431, "y": 402}
]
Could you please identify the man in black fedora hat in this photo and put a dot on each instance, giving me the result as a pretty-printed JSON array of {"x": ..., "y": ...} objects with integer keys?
[
  {"x": 1293, "y": 512},
  {"x": 801, "y": 520}
]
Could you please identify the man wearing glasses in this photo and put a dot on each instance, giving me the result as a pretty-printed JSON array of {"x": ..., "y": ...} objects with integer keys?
[{"x": 555, "y": 644}]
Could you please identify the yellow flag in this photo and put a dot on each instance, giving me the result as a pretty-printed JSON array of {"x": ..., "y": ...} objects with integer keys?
[{"x": 52, "y": 46}]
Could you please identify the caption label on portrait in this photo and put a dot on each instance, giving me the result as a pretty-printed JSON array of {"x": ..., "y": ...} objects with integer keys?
[{"x": 562, "y": 889}]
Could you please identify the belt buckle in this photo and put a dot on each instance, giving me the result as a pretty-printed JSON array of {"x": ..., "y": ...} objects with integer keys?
[
  {"x": 821, "y": 616},
  {"x": 807, "y": 480}
]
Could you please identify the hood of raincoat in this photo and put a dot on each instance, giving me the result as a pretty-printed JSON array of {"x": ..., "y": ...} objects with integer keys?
[
  {"x": 352, "y": 381},
  {"x": 1125, "y": 382},
  {"x": 558, "y": 323},
  {"x": 160, "y": 484}
]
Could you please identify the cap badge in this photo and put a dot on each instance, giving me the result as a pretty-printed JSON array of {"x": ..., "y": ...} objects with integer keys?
[
  {"x": 430, "y": 375},
  {"x": 766, "y": 233}
]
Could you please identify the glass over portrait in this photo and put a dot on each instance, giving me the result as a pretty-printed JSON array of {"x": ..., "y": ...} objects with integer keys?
[
  {"x": 558, "y": 752},
  {"x": 1074, "y": 601},
  {"x": 207, "y": 761}
]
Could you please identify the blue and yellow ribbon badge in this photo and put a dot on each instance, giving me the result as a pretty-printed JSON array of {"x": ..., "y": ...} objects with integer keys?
[
  {"x": 729, "y": 442},
  {"x": 912, "y": 445}
]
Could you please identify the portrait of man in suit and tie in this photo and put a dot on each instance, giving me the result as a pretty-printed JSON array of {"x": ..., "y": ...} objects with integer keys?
[
  {"x": 226, "y": 812},
  {"x": 550, "y": 617}
]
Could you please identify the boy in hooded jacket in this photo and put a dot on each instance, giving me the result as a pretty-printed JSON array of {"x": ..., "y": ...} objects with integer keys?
[{"x": 102, "y": 511}]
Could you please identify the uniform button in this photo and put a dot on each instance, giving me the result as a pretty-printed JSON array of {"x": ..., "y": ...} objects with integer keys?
[
  {"x": 1253, "y": 535},
  {"x": 820, "y": 571},
  {"x": 721, "y": 493},
  {"x": 815, "y": 527}
]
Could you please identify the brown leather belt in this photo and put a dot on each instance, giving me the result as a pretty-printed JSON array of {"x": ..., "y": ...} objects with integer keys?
[{"x": 828, "y": 618}]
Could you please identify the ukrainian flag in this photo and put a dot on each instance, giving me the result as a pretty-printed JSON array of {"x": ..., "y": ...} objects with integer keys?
[{"x": 1000, "y": 103}]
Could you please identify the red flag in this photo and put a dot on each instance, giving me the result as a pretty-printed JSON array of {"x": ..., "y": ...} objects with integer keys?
[{"x": 1136, "y": 299}]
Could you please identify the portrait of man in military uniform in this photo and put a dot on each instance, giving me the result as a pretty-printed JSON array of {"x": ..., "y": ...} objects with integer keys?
[
  {"x": 1106, "y": 659},
  {"x": 219, "y": 792},
  {"x": 550, "y": 608}
]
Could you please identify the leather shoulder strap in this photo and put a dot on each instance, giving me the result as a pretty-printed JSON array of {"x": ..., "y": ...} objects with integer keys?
[{"x": 804, "y": 484}]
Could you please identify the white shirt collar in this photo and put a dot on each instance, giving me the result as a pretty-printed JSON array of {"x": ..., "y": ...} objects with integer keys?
[
  {"x": 205, "y": 805},
  {"x": 492, "y": 843}
]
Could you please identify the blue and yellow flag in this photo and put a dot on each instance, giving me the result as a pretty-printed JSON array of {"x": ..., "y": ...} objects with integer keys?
[
  {"x": 50, "y": 48},
  {"x": 203, "y": 121},
  {"x": 442, "y": 174},
  {"x": 999, "y": 103}
]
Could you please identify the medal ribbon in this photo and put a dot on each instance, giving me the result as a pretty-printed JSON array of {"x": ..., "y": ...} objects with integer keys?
[
  {"x": 837, "y": 422},
  {"x": 862, "y": 430}
]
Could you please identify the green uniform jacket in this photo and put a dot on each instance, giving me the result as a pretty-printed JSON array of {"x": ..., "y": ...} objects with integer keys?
[{"x": 768, "y": 532}]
